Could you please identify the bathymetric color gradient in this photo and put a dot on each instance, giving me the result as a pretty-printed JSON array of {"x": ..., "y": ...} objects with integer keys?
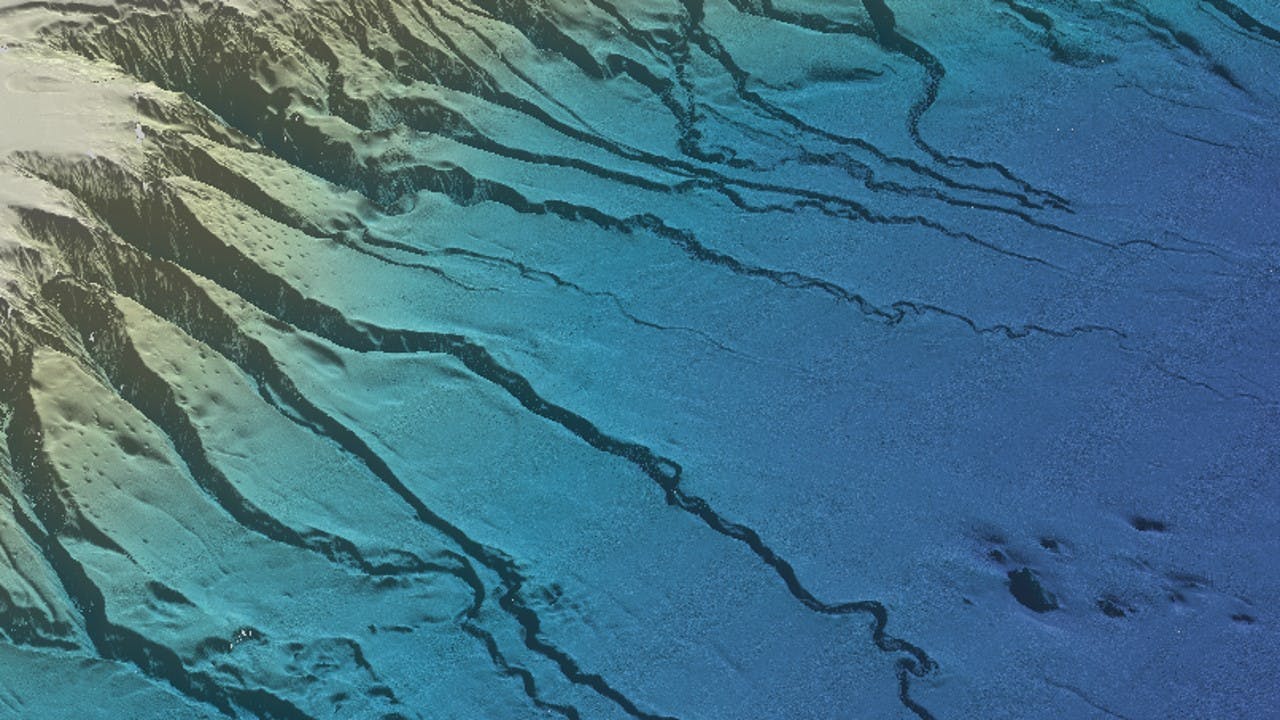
[{"x": 703, "y": 359}]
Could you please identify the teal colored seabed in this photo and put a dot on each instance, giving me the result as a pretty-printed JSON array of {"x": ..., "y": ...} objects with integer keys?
[{"x": 704, "y": 360}]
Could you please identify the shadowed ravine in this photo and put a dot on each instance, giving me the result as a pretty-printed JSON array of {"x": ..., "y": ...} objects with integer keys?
[{"x": 694, "y": 359}]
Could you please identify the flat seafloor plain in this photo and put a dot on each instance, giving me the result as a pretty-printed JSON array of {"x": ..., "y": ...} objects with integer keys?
[{"x": 718, "y": 359}]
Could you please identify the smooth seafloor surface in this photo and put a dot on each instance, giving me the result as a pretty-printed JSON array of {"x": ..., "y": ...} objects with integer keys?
[{"x": 717, "y": 359}]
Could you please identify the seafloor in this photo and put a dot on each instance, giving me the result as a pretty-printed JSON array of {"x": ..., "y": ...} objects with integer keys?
[{"x": 707, "y": 359}]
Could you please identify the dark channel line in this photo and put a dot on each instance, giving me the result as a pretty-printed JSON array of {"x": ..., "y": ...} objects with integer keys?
[{"x": 150, "y": 222}]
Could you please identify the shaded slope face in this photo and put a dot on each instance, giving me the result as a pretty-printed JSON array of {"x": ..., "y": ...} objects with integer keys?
[{"x": 390, "y": 359}]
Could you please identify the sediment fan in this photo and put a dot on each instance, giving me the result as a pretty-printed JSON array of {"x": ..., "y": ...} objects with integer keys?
[{"x": 399, "y": 359}]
